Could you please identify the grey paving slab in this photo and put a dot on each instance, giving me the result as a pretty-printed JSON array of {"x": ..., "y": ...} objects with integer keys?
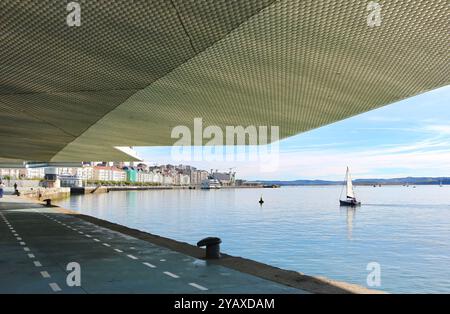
[{"x": 111, "y": 262}]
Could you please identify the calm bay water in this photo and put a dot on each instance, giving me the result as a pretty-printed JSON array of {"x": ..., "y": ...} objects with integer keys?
[{"x": 406, "y": 230}]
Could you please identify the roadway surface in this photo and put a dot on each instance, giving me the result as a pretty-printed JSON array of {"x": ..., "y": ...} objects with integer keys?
[{"x": 37, "y": 244}]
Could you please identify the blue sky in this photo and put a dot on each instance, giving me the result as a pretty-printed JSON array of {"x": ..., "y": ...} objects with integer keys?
[{"x": 407, "y": 138}]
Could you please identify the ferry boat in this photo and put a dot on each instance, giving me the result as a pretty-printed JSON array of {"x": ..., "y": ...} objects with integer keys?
[{"x": 210, "y": 184}]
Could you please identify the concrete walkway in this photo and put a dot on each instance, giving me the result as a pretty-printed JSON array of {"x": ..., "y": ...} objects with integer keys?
[{"x": 37, "y": 244}]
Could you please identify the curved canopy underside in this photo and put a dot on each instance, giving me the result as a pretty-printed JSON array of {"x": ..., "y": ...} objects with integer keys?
[{"x": 134, "y": 70}]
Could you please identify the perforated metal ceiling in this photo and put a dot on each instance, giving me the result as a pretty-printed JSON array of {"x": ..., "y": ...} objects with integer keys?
[{"x": 135, "y": 69}]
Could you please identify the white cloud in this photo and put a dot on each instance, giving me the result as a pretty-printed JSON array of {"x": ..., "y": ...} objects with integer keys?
[{"x": 439, "y": 129}]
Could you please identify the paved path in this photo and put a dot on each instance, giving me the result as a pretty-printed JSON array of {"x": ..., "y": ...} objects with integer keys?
[{"x": 37, "y": 244}]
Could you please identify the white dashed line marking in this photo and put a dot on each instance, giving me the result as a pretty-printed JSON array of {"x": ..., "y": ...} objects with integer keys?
[
  {"x": 132, "y": 256},
  {"x": 193, "y": 284},
  {"x": 19, "y": 239},
  {"x": 88, "y": 236},
  {"x": 22, "y": 243},
  {"x": 45, "y": 274},
  {"x": 31, "y": 255},
  {"x": 37, "y": 264},
  {"x": 54, "y": 287},
  {"x": 117, "y": 250},
  {"x": 96, "y": 240},
  {"x": 80, "y": 232},
  {"x": 26, "y": 249},
  {"x": 106, "y": 244},
  {"x": 162, "y": 260},
  {"x": 171, "y": 275},
  {"x": 149, "y": 265}
]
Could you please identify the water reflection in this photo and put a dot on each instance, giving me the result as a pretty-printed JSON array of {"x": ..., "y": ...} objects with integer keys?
[{"x": 351, "y": 211}]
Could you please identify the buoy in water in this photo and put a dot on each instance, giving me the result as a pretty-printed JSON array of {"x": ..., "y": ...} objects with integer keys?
[{"x": 261, "y": 201}]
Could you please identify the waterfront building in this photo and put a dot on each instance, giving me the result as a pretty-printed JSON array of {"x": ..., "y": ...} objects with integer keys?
[
  {"x": 10, "y": 172},
  {"x": 202, "y": 175},
  {"x": 66, "y": 171},
  {"x": 144, "y": 176},
  {"x": 181, "y": 175},
  {"x": 167, "y": 180},
  {"x": 175, "y": 178},
  {"x": 184, "y": 179},
  {"x": 225, "y": 178},
  {"x": 33, "y": 173},
  {"x": 70, "y": 181},
  {"x": 158, "y": 178},
  {"x": 131, "y": 174},
  {"x": 105, "y": 173},
  {"x": 85, "y": 173}
]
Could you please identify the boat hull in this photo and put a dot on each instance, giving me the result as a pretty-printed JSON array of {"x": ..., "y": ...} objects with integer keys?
[
  {"x": 210, "y": 188},
  {"x": 349, "y": 203}
]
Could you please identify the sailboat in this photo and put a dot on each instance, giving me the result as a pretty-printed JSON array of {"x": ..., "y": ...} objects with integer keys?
[{"x": 350, "y": 199}]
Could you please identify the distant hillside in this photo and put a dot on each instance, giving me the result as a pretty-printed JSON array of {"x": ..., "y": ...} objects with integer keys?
[{"x": 393, "y": 181}]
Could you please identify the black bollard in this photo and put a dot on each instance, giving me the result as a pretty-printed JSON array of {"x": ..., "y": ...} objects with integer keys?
[
  {"x": 48, "y": 202},
  {"x": 212, "y": 247}
]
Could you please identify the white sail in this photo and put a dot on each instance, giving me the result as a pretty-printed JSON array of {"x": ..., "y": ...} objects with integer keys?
[{"x": 350, "y": 193}]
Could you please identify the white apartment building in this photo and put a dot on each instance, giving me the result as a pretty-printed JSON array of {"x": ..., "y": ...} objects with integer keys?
[
  {"x": 198, "y": 176},
  {"x": 184, "y": 179},
  {"x": 85, "y": 173},
  {"x": 104, "y": 173},
  {"x": 66, "y": 171},
  {"x": 34, "y": 173},
  {"x": 10, "y": 172},
  {"x": 144, "y": 176},
  {"x": 70, "y": 181},
  {"x": 166, "y": 180}
]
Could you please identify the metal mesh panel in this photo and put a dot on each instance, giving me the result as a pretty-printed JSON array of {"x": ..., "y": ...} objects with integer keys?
[
  {"x": 120, "y": 45},
  {"x": 71, "y": 112},
  {"x": 70, "y": 77},
  {"x": 208, "y": 21},
  {"x": 24, "y": 135},
  {"x": 135, "y": 69},
  {"x": 297, "y": 65}
]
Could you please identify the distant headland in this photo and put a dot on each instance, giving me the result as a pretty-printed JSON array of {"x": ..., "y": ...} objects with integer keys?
[{"x": 392, "y": 181}]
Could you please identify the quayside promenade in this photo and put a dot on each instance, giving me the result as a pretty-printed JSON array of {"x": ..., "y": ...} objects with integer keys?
[{"x": 38, "y": 243}]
